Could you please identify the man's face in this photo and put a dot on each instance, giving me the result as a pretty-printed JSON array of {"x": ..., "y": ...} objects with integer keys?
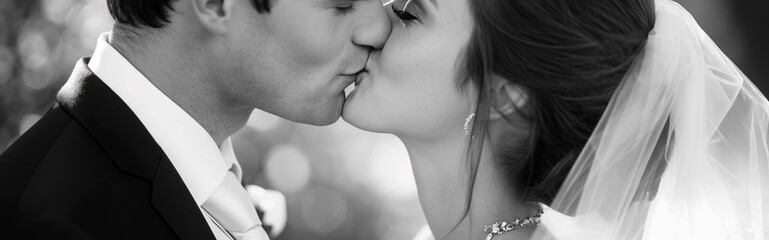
[{"x": 296, "y": 60}]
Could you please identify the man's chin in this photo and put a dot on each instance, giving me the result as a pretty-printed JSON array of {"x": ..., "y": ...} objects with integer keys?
[
  {"x": 327, "y": 121},
  {"x": 326, "y": 115},
  {"x": 317, "y": 120}
]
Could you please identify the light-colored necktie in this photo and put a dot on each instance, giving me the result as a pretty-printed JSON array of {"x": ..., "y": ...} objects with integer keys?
[{"x": 230, "y": 206}]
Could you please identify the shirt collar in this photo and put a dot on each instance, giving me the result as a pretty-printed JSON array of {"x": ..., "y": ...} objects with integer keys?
[{"x": 200, "y": 163}]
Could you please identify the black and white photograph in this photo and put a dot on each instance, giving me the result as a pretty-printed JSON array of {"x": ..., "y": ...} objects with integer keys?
[{"x": 384, "y": 119}]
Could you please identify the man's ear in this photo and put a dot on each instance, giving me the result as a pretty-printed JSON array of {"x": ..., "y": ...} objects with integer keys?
[
  {"x": 506, "y": 98},
  {"x": 213, "y": 14}
]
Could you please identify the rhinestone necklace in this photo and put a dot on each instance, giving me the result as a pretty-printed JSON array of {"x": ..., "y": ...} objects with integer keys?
[{"x": 499, "y": 228}]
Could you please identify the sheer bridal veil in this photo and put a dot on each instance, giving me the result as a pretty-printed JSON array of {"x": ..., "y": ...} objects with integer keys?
[{"x": 681, "y": 151}]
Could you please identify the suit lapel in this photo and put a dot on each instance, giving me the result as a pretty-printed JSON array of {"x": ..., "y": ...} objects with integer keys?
[
  {"x": 112, "y": 123},
  {"x": 167, "y": 192}
]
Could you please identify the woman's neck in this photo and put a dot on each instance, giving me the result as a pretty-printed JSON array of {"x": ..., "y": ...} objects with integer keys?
[{"x": 442, "y": 173}]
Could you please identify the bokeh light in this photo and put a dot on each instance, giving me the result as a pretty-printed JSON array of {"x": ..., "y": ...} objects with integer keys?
[
  {"x": 288, "y": 169},
  {"x": 7, "y": 58},
  {"x": 263, "y": 121},
  {"x": 27, "y": 121},
  {"x": 323, "y": 210},
  {"x": 56, "y": 11},
  {"x": 390, "y": 170}
]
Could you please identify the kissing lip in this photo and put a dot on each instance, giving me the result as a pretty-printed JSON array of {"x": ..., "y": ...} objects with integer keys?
[
  {"x": 351, "y": 78},
  {"x": 359, "y": 77},
  {"x": 360, "y": 69},
  {"x": 356, "y": 76}
]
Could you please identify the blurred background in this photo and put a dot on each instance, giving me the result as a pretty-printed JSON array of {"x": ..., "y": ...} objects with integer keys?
[{"x": 340, "y": 182}]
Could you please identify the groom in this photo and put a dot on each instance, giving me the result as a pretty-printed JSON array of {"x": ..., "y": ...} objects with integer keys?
[{"x": 137, "y": 144}]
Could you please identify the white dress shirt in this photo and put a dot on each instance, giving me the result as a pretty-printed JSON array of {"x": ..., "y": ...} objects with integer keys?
[{"x": 201, "y": 164}]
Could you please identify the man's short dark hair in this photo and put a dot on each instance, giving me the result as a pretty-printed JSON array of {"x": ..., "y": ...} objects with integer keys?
[{"x": 154, "y": 13}]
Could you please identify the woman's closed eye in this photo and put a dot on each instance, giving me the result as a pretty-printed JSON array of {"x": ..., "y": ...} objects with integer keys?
[
  {"x": 409, "y": 10},
  {"x": 345, "y": 7},
  {"x": 403, "y": 15}
]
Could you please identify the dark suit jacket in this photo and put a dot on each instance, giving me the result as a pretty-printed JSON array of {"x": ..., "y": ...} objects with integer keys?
[{"x": 89, "y": 168}]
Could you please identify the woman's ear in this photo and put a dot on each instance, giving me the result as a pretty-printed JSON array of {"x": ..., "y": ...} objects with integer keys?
[
  {"x": 213, "y": 14},
  {"x": 506, "y": 97}
]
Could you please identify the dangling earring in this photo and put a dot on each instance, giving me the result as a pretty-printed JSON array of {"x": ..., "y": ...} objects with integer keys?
[{"x": 467, "y": 123}]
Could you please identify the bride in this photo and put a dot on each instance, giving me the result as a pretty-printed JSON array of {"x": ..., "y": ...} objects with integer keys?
[{"x": 550, "y": 119}]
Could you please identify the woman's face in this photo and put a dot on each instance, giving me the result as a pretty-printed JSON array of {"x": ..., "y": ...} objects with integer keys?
[{"x": 411, "y": 87}]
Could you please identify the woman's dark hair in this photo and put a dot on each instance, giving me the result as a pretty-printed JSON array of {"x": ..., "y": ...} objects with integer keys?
[
  {"x": 568, "y": 56},
  {"x": 154, "y": 13}
]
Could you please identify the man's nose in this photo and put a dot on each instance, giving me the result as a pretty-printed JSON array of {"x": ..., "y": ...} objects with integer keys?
[{"x": 374, "y": 27}]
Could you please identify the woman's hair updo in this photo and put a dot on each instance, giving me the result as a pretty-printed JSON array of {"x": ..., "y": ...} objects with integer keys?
[{"x": 569, "y": 56}]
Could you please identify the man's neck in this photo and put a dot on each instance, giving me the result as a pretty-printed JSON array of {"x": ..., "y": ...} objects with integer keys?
[
  {"x": 183, "y": 77},
  {"x": 442, "y": 176}
]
